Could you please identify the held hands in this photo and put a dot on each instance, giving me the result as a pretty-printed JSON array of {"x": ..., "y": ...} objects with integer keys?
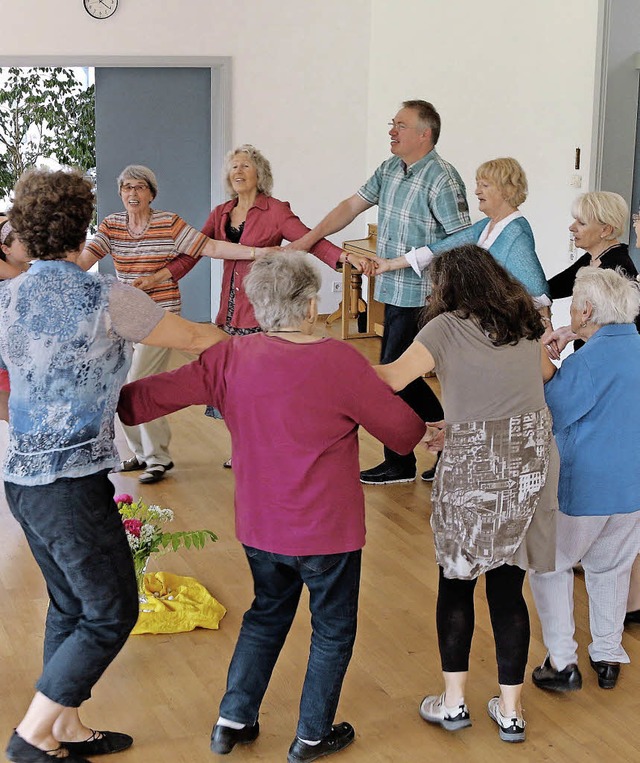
[
  {"x": 555, "y": 340},
  {"x": 433, "y": 439},
  {"x": 364, "y": 264},
  {"x": 382, "y": 264}
]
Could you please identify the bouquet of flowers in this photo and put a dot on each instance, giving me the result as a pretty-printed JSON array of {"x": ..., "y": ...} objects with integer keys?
[{"x": 143, "y": 525}]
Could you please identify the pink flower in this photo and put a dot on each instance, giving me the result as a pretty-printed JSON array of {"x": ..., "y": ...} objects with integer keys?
[
  {"x": 133, "y": 526},
  {"x": 123, "y": 498}
]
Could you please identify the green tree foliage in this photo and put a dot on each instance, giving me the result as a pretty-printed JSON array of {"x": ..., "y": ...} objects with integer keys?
[{"x": 44, "y": 113}]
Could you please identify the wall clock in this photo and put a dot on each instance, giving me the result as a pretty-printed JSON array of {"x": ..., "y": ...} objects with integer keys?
[{"x": 100, "y": 9}]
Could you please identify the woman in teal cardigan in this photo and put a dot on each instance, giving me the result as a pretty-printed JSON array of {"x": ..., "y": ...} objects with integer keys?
[{"x": 501, "y": 186}]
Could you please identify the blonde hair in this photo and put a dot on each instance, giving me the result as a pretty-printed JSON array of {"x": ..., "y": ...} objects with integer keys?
[
  {"x": 259, "y": 161},
  {"x": 508, "y": 176},
  {"x": 603, "y": 207}
]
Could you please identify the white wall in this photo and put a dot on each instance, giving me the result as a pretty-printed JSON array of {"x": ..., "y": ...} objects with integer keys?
[{"x": 314, "y": 84}]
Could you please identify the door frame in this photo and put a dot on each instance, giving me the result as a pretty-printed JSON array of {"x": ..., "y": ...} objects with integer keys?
[{"x": 220, "y": 67}]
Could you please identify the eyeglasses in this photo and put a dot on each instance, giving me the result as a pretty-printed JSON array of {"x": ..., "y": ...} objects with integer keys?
[
  {"x": 400, "y": 126},
  {"x": 129, "y": 188}
]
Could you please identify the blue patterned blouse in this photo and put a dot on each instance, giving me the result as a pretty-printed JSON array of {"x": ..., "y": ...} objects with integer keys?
[{"x": 63, "y": 339}]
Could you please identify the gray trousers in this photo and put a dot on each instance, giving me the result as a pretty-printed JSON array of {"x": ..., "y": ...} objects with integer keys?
[
  {"x": 149, "y": 442},
  {"x": 607, "y": 546}
]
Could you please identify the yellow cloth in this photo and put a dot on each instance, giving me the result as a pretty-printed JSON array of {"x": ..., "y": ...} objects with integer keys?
[{"x": 176, "y": 604}]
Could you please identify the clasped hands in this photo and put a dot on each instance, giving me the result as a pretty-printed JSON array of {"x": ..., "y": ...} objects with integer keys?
[
  {"x": 555, "y": 340},
  {"x": 433, "y": 439}
]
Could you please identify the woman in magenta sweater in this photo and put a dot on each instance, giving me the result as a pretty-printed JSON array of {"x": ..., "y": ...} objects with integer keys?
[{"x": 293, "y": 403}]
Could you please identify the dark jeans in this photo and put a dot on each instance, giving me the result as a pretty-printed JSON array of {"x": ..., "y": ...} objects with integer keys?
[
  {"x": 77, "y": 538},
  {"x": 400, "y": 329},
  {"x": 333, "y": 581},
  {"x": 509, "y": 620}
]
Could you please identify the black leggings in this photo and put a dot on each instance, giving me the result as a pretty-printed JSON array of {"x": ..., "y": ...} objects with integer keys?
[{"x": 509, "y": 619}]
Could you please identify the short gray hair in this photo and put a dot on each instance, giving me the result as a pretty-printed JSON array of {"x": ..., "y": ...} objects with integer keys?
[
  {"x": 259, "y": 161},
  {"x": 279, "y": 287},
  {"x": 604, "y": 207},
  {"x": 614, "y": 297},
  {"x": 139, "y": 172}
]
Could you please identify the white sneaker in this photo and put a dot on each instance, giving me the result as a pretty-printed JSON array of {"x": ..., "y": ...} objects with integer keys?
[
  {"x": 511, "y": 728},
  {"x": 433, "y": 710}
]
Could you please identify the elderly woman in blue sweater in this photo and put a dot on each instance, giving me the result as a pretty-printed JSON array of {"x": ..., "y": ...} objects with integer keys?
[{"x": 594, "y": 400}]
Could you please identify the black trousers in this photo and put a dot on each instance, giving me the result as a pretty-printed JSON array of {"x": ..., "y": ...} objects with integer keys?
[
  {"x": 400, "y": 329},
  {"x": 455, "y": 621}
]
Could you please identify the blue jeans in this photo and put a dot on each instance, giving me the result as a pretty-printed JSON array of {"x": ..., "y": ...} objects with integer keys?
[
  {"x": 401, "y": 325},
  {"x": 77, "y": 538},
  {"x": 333, "y": 581}
]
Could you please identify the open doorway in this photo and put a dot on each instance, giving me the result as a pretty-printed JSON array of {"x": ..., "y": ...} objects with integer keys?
[{"x": 176, "y": 120}]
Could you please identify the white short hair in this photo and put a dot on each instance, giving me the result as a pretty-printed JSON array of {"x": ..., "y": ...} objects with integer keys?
[{"x": 613, "y": 297}]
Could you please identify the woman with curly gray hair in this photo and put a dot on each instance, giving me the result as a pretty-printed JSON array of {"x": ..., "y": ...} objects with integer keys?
[
  {"x": 66, "y": 340},
  {"x": 253, "y": 216}
]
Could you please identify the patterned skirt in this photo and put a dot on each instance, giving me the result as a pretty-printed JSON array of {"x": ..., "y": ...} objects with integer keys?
[{"x": 486, "y": 491}]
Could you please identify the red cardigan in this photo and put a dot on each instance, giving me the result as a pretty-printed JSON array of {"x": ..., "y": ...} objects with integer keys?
[{"x": 269, "y": 222}]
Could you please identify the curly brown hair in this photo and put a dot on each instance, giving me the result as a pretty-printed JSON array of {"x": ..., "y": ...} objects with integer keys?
[
  {"x": 51, "y": 212},
  {"x": 468, "y": 281}
]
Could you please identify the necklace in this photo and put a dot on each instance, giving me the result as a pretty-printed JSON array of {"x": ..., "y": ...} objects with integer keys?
[
  {"x": 608, "y": 249},
  {"x": 138, "y": 232}
]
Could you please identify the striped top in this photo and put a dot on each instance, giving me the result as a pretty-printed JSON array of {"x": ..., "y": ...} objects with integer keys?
[{"x": 166, "y": 237}]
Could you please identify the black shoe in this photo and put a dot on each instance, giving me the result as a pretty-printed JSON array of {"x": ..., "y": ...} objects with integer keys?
[
  {"x": 20, "y": 751},
  {"x": 337, "y": 739},
  {"x": 430, "y": 473},
  {"x": 608, "y": 673},
  {"x": 387, "y": 474},
  {"x": 547, "y": 677},
  {"x": 224, "y": 738},
  {"x": 632, "y": 617},
  {"x": 154, "y": 473},
  {"x": 132, "y": 464},
  {"x": 100, "y": 743}
]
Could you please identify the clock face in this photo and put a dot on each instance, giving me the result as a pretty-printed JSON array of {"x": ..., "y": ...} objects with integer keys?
[{"x": 100, "y": 9}]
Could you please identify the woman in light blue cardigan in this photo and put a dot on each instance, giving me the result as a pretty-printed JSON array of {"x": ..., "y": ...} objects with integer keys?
[{"x": 501, "y": 186}]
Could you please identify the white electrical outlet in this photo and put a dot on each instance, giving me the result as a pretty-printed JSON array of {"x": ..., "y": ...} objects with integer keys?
[{"x": 336, "y": 286}]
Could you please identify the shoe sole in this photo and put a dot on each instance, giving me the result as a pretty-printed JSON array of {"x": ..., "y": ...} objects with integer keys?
[
  {"x": 562, "y": 688},
  {"x": 447, "y": 725},
  {"x": 427, "y": 479},
  {"x": 387, "y": 482}
]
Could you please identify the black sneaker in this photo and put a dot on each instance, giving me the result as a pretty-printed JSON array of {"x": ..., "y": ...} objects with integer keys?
[
  {"x": 430, "y": 473},
  {"x": 547, "y": 677},
  {"x": 387, "y": 474},
  {"x": 337, "y": 739}
]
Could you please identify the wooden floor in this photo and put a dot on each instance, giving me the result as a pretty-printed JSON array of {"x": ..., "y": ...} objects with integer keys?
[{"x": 165, "y": 690}]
